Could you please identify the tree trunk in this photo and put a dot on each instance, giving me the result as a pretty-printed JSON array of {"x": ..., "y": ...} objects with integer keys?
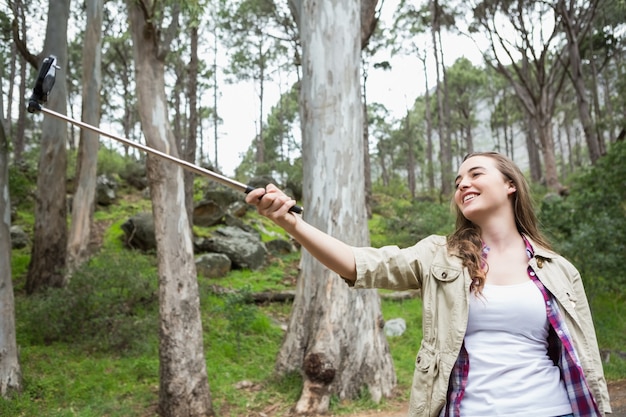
[
  {"x": 216, "y": 118},
  {"x": 534, "y": 159},
  {"x": 367, "y": 168},
  {"x": 192, "y": 136},
  {"x": 447, "y": 174},
  {"x": 335, "y": 334},
  {"x": 261, "y": 167},
  {"x": 49, "y": 249},
  {"x": 10, "y": 371},
  {"x": 549, "y": 158},
  {"x": 576, "y": 71},
  {"x": 429, "y": 130},
  {"x": 184, "y": 388},
  {"x": 445, "y": 154},
  {"x": 410, "y": 157},
  {"x": 87, "y": 171}
]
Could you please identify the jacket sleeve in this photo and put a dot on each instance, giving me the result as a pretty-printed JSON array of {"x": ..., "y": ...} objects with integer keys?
[{"x": 393, "y": 268}]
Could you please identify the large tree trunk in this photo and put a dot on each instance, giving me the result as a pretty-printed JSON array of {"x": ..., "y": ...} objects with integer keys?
[
  {"x": 335, "y": 334},
  {"x": 10, "y": 371},
  {"x": 184, "y": 388},
  {"x": 87, "y": 171},
  {"x": 48, "y": 256}
]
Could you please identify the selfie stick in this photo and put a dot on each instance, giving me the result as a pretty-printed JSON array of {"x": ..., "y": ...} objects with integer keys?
[{"x": 43, "y": 86}]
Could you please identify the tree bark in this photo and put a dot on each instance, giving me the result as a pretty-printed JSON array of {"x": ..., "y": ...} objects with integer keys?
[
  {"x": 184, "y": 388},
  {"x": 48, "y": 255},
  {"x": 83, "y": 204},
  {"x": 335, "y": 335},
  {"x": 10, "y": 371}
]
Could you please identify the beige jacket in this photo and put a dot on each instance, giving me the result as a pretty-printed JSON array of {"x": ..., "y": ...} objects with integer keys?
[{"x": 444, "y": 284}]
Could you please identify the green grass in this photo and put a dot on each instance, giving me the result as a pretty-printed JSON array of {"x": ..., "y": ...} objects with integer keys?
[
  {"x": 71, "y": 379},
  {"x": 609, "y": 316}
]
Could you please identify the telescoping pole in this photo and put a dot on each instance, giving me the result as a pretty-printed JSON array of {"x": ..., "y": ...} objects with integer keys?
[{"x": 43, "y": 86}]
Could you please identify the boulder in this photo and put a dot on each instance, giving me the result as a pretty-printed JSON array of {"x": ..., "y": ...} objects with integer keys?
[
  {"x": 139, "y": 232},
  {"x": 395, "y": 327},
  {"x": 105, "y": 190},
  {"x": 280, "y": 247},
  {"x": 244, "y": 249},
  {"x": 19, "y": 238},
  {"x": 213, "y": 265},
  {"x": 208, "y": 213}
]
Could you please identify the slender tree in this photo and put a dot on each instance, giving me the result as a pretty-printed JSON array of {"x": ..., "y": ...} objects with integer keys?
[
  {"x": 49, "y": 250},
  {"x": 184, "y": 388},
  {"x": 83, "y": 204},
  {"x": 466, "y": 85},
  {"x": 577, "y": 20},
  {"x": 10, "y": 370},
  {"x": 257, "y": 48}
]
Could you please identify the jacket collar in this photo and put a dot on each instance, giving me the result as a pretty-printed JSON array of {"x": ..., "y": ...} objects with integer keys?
[{"x": 540, "y": 251}]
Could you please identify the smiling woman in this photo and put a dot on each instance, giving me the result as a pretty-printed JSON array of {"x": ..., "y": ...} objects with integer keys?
[{"x": 494, "y": 272}]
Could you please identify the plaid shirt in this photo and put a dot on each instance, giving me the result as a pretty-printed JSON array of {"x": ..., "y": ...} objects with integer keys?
[{"x": 581, "y": 399}]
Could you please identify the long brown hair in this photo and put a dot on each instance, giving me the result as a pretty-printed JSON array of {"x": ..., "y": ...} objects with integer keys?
[{"x": 466, "y": 239}]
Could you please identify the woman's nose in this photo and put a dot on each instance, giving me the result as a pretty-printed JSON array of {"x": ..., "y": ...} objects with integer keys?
[{"x": 463, "y": 184}]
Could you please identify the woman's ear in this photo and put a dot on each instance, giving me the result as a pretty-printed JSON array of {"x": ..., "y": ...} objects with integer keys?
[{"x": 511, "y": 188}]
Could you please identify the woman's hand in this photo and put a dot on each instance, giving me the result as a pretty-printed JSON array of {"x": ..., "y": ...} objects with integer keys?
[{"x": 272, "y": 203}]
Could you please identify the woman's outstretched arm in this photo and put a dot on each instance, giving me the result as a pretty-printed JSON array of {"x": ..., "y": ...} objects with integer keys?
[{"x": 272, "y": 203}]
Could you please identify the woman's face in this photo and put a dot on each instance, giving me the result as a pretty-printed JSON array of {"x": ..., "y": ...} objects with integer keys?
[{"x": 481, "y": 189}]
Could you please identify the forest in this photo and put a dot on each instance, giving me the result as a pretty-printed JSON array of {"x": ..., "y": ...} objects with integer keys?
[{"x": 96, "y": 324}]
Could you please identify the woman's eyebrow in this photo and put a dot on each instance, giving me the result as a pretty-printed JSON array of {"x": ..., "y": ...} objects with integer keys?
[{"x": 468, "y": 171}]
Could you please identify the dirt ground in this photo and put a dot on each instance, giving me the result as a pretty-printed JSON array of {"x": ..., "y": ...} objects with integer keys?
[{"x": 617, "y": 391}]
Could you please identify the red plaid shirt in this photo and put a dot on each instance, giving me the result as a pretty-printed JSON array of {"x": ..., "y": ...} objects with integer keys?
[{"x": 581, "y": 399}]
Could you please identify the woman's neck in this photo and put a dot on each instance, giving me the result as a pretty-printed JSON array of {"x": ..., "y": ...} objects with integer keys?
[{"x": 499, "y": 235}]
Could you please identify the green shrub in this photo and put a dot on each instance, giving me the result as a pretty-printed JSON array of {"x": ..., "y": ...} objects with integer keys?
[
  {"x": 22, "y": 184},
  {"x": 589, "y": 225},
  {"x": 111, "y": 162},
  {"x": 411, "y": 222},
  {"x": 109, "y": 305}
]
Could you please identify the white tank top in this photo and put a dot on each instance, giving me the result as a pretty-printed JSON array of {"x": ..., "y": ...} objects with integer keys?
[{"x": 510, "y": 372}]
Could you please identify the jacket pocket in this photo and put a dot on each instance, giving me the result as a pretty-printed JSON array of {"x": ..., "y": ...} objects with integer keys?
[
  {"x": 444, "y": 273},
  {"x": 426, "y": 370}
]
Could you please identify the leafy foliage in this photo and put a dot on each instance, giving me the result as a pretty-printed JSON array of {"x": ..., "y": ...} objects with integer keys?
[
  {"x": 22, "y": 181},
  {"x": 404, "y": 223},
  {"x": 106, "y": 304},
  {"x": 589, "y": 225}
]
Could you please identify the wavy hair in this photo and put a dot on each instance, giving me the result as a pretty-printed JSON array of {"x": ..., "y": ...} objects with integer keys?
[{"x": 466, "y": 239}]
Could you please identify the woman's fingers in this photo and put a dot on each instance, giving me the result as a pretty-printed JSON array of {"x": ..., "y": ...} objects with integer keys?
[{"x": 270, "y": 201}]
